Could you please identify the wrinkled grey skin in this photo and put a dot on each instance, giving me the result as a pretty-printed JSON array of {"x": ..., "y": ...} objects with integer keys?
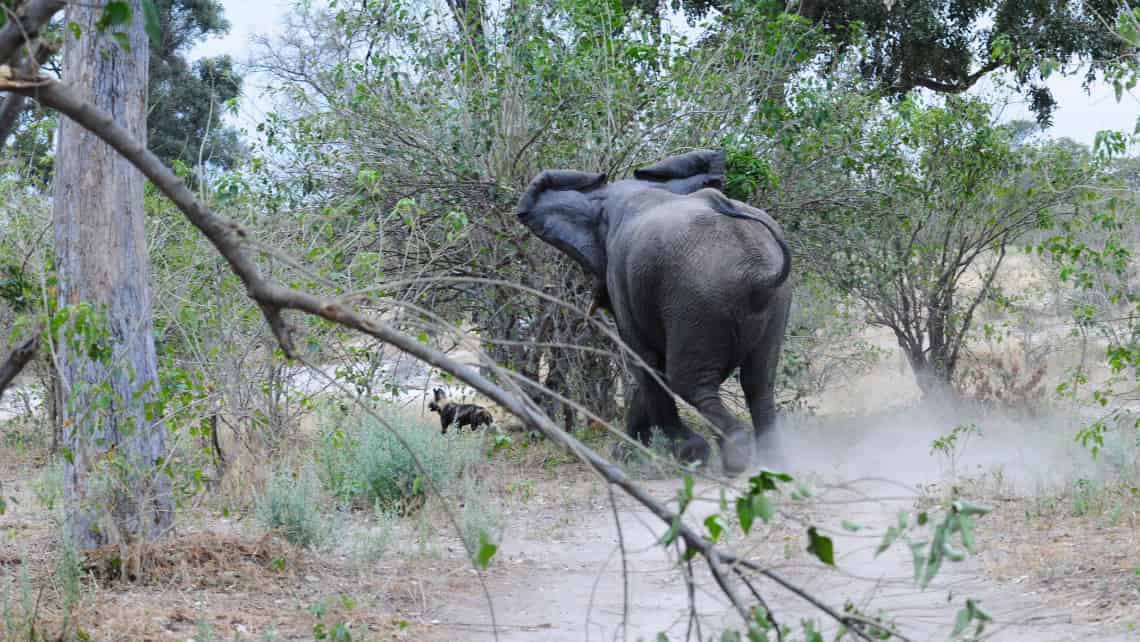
[{"x": 697, "y": 284}]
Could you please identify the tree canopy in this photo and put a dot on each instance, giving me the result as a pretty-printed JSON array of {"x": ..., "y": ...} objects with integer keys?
[
  {"x": 947, "y": 46},
  {"x": 188, "y": 99}
]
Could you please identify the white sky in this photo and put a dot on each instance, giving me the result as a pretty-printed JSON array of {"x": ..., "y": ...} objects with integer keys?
[{"x": 1079, "y": 115}]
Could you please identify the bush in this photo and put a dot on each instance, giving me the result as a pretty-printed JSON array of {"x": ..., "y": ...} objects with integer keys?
[
  {"x": 363, "y": 464},
  {"x": 372, "y": 544},
  {"x": 480, "y": 516},
  {"x": 289, "y": 506}
]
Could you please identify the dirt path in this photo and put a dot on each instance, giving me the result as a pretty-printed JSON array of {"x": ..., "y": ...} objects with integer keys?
[
  {"x": 572, "y": 589},
  {"x": 567, "y": 584}
]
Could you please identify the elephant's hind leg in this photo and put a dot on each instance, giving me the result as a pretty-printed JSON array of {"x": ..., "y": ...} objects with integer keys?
[
  {"x": 734, "y": 437},
  {"x": 758, "y": 379},
  {"x": 652, "y": 406}
]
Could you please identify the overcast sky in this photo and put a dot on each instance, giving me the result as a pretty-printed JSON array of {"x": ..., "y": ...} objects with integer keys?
[{"x": 1079, "y": 115}]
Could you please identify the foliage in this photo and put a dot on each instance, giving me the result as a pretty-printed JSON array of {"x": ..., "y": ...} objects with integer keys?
[
  {"x": 290, "y": 505},
  {"x": 947, "y": 46},
  {"x": 480, "y": 522},
  {"x": 930, "y": 541},
  {"x": 999, "y": 381},
  {"x": 405, "y": 157},
  {"x": 913, "y": 212},
  {"x": 363, "y": 463},
  {"x": 372, "y": 545},
  {"x": 186, "y": 100},
  {"x": 952, "y": 444},
  {"x": 822, "y": 347}
]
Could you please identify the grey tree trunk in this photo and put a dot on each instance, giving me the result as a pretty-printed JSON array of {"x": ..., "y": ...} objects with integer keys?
[{"x": 115, "y": 489}]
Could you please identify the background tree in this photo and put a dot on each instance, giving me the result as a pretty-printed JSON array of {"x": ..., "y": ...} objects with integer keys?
[
  {"x": 115, "y": 484},
  {"x": 186, "y": 100},
  {"x": 914, "y": 214},
  {"x": 947, "y": 46}
]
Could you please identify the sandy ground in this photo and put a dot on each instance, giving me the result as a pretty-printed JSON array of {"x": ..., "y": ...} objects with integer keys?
[{"x": 565, "y": 582}]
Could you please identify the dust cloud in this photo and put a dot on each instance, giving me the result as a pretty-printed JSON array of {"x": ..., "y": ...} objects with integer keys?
[{"x": 1024, "y": 452}]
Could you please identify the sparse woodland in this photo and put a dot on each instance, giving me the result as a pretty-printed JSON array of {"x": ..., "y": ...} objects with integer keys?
[{"x": 222, "y": 344}]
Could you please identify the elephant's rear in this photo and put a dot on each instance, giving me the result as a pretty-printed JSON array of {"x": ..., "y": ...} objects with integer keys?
[{"x": 694, "y": 272}]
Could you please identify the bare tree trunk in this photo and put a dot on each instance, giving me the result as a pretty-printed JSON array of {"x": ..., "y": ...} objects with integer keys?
[
  {"x": 114, "y": 485},
  {"x": 932, "y": 372}
]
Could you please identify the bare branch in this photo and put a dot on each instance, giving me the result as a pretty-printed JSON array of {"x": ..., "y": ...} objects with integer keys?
[
  {"x": 17, "y": 32},
  {"x": 20, "y": 356},
  {"x": 14, "y": 104}
]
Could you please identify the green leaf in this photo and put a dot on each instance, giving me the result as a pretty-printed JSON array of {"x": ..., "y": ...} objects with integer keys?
[
  {"x": 75, "y": 29},
  {"x": 763, "y": 507},
  {"x": 961, "y": 621},
  {"x": 685, "y": 494},
  {"x": 966, "y": 508},
  {"x": 851, "y": 526},
  {"x": 766, "y": 480},
  {"x": 151, "y": 23},
  {"x": 744, "y": 513},
  {"x": 114, "y": 14},
  {"x": 966, "y": 526},
  {"x": 671, "y": 534},
  {"x": 122, "y": 39},
  {"x": 889, "y": 538},
  {"x": 487, "y": 550},
  {"x": 918, "y": 552},
  {"x": 821, "y": 546},
  {"x": 712, "y": 522}
]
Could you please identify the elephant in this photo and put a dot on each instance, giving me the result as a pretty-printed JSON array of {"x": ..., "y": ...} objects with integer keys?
[{"x": 697, "y": 284}]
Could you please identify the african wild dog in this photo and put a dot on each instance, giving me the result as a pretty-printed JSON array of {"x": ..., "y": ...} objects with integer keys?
[{"x": 465, "y": 414}]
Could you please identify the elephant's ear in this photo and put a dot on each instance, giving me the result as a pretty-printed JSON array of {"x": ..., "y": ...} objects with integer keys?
[
  {"x": 706, "y": 163},
  {"x": 558, "y": 180},
  {"x": 558, "y": 208}
]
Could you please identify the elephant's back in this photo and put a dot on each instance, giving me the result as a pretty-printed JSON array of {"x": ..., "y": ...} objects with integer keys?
[
  {"x": 693, "y": 265},
  {"x": 697, "y": 247}
]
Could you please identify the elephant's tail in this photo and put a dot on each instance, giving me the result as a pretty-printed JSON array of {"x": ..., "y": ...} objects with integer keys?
[
  {"x": 786, "y": 269},
  {"x": 722, "y": 205}
]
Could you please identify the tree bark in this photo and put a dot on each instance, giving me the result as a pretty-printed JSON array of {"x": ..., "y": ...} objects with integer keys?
[{"x": 114, "y": 485}]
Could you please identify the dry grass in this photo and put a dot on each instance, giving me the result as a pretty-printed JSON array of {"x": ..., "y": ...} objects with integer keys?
[{"x": 1077, "y": 550}]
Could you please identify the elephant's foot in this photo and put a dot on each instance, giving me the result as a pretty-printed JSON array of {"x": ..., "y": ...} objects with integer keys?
[
  {"x": 694, "y": 450},
  {"x": 770, "y": 451},
  {"x": 736, "y": 452}
]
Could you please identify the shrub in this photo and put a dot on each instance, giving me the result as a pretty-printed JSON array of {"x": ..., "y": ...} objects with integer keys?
[
  {"x": 480, "y": 515},
  {"x": 658, "y": 463},
  {"x": 363, "y": 463},
  {"x": 374, "y": 543},
  {"x": 289, "y": 505}
]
